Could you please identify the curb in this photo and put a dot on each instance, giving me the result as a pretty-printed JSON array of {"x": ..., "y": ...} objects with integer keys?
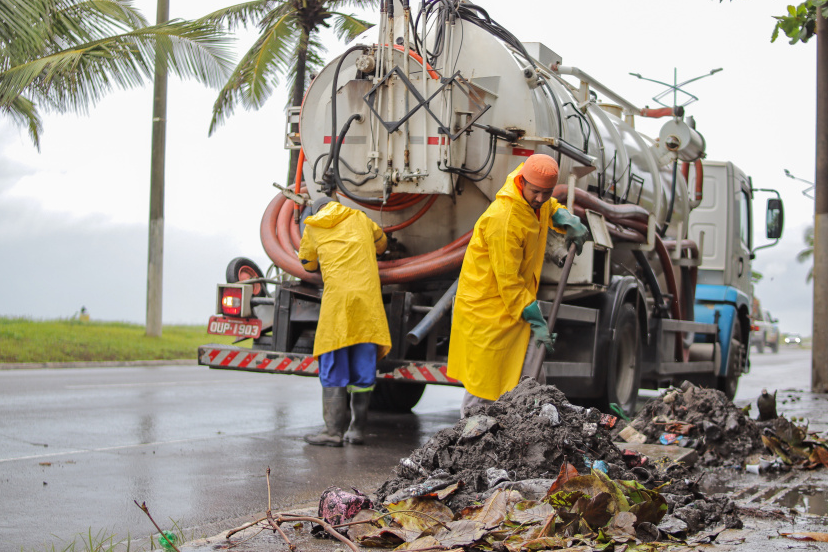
[{"x": 103, "y": 364}]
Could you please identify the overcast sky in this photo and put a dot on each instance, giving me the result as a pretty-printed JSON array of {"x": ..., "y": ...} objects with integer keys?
[{"x": 73, "y": 218}]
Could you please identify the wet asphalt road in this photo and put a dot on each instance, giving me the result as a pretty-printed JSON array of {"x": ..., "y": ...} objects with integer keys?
[{"x": 77, "y": 446}]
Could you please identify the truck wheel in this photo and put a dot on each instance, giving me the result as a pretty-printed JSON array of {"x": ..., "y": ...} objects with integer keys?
[
  {"x": 775, "y": 346},
  {"x": 624, "y": 362},
  {"x": 395, "y": 396},
  {"x": 242, "y": 268},
  {"x": 730, "y": 381},
  {"x": 760, "y": 346}
]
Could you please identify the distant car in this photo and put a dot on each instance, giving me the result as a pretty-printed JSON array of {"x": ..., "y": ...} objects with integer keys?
[
  {"x": 793, "y": 339},
  {"x": 765, "y": 332}
]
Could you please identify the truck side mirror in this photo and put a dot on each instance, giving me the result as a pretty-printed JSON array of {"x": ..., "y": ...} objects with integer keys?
[{"x": 775, "y": 219}]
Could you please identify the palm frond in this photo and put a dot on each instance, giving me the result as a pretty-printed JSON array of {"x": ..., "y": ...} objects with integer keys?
[
  {"x": 240, "y": 15},
  {"x": 361, "y": 4},
  {"x": 75, "y": 78},
  {"x": 252, "y": 82},
  {"x": 24, "y": 113},
  {"x": 347, "y": 27},
  {"x": 18, "y": 19}
]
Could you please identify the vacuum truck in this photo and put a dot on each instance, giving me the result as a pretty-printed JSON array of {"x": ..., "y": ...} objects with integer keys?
[{"x": 420, "y": 129}]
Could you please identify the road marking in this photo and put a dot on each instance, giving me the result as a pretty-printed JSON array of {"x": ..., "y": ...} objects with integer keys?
[
  {"x": 106, "y": 449},
  {"x": 154, "y": 384}
]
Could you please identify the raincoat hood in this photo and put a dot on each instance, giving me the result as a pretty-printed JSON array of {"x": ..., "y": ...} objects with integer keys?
[{"x": 329, "y": 215}]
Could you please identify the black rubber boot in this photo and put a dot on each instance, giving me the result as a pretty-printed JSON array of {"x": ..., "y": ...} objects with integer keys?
[
  {"x": 359, "y": 417},
  {"x": 335, "y": 413}
]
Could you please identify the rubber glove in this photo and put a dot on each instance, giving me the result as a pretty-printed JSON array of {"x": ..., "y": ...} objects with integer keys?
[
  {"x": 576, "y": 232},
  {"x": 540, "y": 330}
]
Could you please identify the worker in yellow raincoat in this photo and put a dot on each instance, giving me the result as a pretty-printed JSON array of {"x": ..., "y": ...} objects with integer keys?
[
  {"x": 495, "y": 308},
  {"x": 352, "y": 332}
]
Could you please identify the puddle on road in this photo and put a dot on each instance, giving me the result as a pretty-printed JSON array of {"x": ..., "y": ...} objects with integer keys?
[{"x": 808, "y": 500}]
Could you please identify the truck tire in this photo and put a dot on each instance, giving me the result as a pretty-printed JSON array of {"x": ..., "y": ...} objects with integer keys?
[
  {"x": 775, "y": 346},
  {"x": 730, "y": 381},
  {"x": 242, "y": 268},
  {"x": 760, "y": 345},
  {"x": 395, "y": 396},
  {"x": 624, "y": 362}
]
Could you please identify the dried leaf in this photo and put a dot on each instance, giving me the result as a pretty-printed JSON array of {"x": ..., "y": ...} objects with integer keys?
[
  {"x": 622, "y": 524},
  {"x": 651, "y": 510},
  {"x": 564, "y": 500},
  {"x": 819, "y": 456},
  {"x": 807, "y": 536},
  {"x": 567, "y": 472},
  {"x": 421, "y": 543},
  {"x": 529, "y": 512},
  {"x": 493, "y": 511},
  {"x": 460, "y": 533},
  {"x": 545, "y": 543},
  {"x": 597, "y": 513},
  {"x": 418, "y": 513},
  {"x": 775, "y": 446},
  {"x": 596, "y": 483},
  {"x": 374, "y": 521},
  {"x": 446, "y": 492}
]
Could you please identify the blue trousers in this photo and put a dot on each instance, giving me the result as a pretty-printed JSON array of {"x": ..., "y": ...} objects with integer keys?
[{"x": 354, "y": 367}]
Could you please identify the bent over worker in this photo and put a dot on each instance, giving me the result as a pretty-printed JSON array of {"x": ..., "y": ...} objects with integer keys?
[
  {"x": 495, "y": 308},
  {"x": 352, "y": 332}
]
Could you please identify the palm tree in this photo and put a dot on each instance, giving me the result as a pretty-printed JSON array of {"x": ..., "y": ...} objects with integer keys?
[
  {"x": 288, "y": 45},
  {"x": 64, "y": 55},
  {"x": 808, "y": 252}
]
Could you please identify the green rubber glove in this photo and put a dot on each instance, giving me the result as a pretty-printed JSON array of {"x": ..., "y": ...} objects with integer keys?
[
  {"x": 576, "y": 232},
  {"x": 540, "y": 330}
]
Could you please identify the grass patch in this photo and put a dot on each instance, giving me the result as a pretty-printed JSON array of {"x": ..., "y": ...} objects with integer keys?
[{"x": 26, "y": 340}]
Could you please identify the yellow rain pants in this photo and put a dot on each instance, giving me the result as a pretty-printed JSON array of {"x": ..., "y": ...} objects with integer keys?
[
  {"x": 499, "y": 278},
  {"x": 344, "y": 243}
]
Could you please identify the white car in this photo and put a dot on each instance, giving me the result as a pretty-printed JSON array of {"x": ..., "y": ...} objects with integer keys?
[{"x": 793, "y": 339}]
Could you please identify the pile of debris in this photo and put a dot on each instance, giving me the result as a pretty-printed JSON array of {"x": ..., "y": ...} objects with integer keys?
[
  {"x": 698, "y": 418},
  {"x": 532, "y": 454},
  {"x": 528, "y": 434}
]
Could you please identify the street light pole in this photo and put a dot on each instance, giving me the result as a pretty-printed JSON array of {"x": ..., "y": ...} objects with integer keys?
[
  {"x": 819, "y": 351},
  {"x": 155, "y": 260}
]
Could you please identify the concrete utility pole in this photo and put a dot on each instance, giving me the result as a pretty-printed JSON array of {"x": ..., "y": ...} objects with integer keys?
[
  {"x": 819, "y": 351},
  {"x": 155, "y": 261}
]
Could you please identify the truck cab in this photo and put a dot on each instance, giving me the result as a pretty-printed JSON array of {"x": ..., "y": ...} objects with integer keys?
[{"x": 722, "y": 225}]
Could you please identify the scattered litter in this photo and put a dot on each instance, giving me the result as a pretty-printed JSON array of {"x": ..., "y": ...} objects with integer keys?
[
  {"x": 631, "y": 435},
  {"x": 702, "y": 419},
  {"x": 510, "y": 469},
  {"x": 549, "y": 411}
]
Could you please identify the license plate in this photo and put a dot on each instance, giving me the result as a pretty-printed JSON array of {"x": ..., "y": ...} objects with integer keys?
[{"x": 239, "y": 327}]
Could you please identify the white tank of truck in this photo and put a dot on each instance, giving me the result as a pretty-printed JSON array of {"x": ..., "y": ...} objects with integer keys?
[{"x": 420, "y": 128}]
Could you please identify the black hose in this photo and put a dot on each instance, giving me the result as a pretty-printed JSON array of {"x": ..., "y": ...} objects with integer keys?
[
  {"x": 337, "y": 178},
  {"x": 652, "y": 282},
  {"x": 333, "y": 102}
]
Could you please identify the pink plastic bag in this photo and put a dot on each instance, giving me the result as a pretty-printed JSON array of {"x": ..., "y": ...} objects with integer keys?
[{"x": 337, "y": 506}]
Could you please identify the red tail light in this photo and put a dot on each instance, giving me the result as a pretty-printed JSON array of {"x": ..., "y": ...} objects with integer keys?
[{"x": 231, "y": 301}]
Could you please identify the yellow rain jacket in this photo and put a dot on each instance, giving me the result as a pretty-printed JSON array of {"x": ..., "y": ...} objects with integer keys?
[
  {"x": 344, "y": 243},
  {"x": 499, "y": 278}
]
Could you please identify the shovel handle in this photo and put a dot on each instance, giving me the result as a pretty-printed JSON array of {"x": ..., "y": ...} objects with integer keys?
[{"x": 533, "y": 363}]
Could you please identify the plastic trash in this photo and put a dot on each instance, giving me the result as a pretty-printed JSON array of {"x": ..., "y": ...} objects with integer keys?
[
  {"x": 551, "y": 412},
  {"x": 167, "y": 540},
  {"x": 668, "y": 438},
  {"x": 495, "y": 476}
]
